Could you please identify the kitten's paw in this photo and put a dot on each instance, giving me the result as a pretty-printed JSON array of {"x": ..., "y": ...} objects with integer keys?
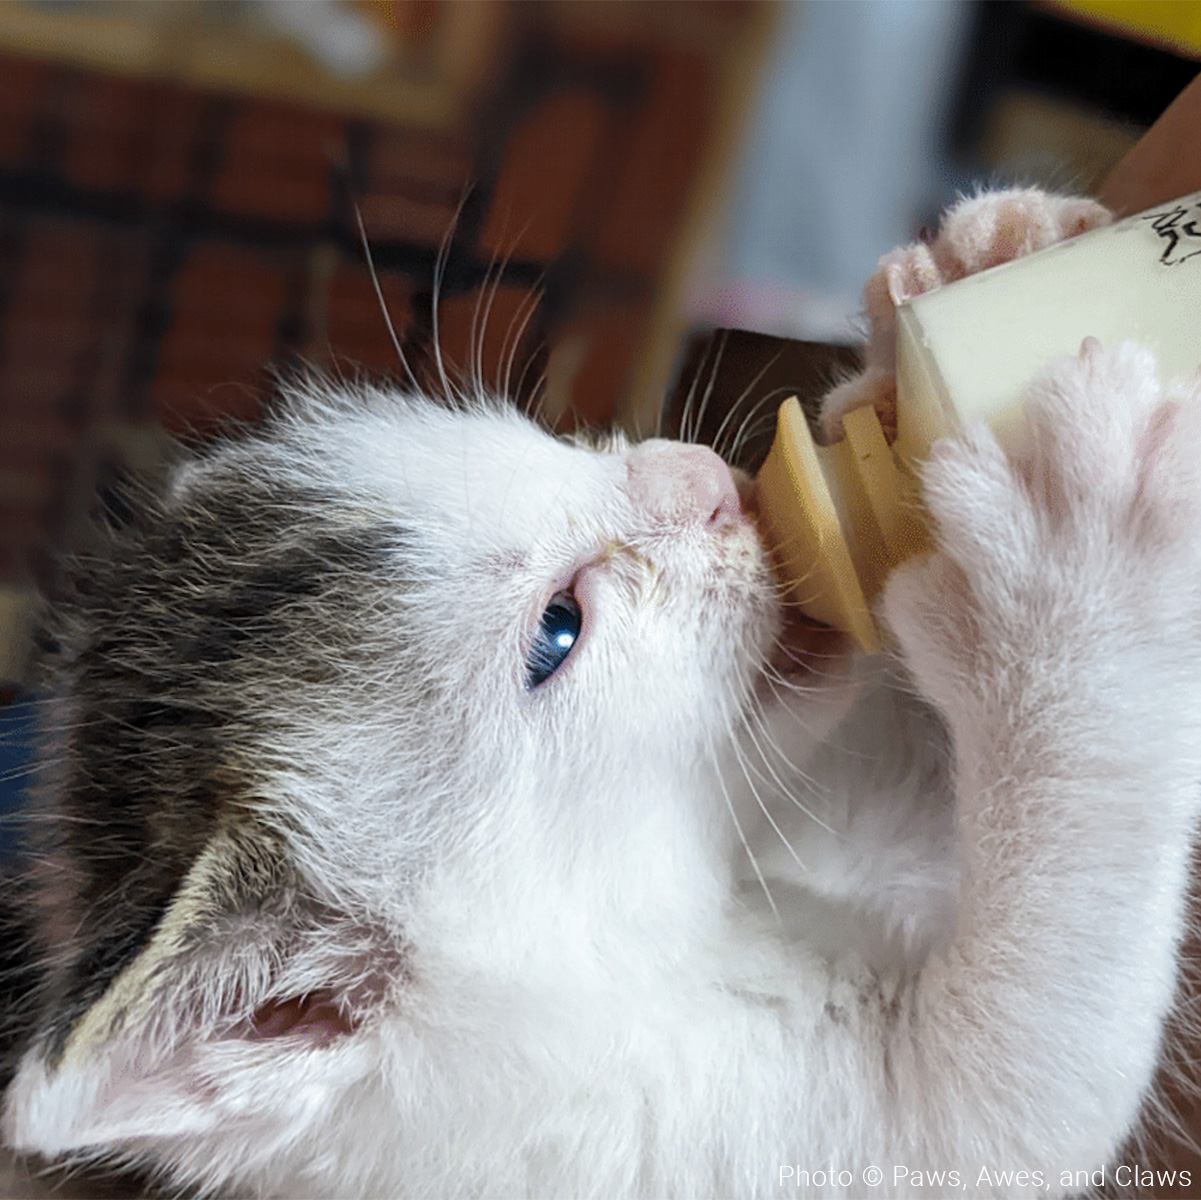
[
  {"x": 873, "y": 386},
  {"x": 902, "y": 274},
  {"x": 1087, "y": 535},
  {"x": 997, "y": 227},
  {"x": 979, "y": 232},
  {"x": 1112, "y": 468}
]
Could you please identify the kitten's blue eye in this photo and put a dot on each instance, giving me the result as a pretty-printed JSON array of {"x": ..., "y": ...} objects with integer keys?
[{"x": 556, "y": 634}]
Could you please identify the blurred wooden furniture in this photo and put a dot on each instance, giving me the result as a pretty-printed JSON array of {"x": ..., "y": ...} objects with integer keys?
[
  {"x": 180, "y": 202},
  {"x": 439, "y": 54},
  {"x": 1165, "y": 164}
]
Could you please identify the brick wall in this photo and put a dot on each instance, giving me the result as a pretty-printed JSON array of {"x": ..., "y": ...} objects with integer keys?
[{"x": 164, "y": 248}]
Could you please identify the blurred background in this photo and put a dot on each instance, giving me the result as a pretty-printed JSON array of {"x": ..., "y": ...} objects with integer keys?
[
  {"x": 593, "y": 186},
  {"x": 572, "y": 194}
]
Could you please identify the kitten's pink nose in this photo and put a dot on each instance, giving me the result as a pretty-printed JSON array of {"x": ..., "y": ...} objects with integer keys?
[{"x": 683, "y": 483}]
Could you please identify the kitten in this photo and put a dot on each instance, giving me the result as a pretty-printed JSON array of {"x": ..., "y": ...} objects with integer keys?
[{"x": 432, "y": 808}]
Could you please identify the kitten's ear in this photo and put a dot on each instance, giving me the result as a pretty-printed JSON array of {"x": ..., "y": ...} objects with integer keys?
[{"x": 242, "y": 1002}]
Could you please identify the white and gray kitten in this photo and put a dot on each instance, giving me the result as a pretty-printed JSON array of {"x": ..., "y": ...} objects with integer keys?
[{"x": 434, "y": 808}]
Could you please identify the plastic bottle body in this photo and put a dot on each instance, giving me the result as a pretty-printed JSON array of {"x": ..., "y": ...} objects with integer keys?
[{"x": 843, "y": 516}]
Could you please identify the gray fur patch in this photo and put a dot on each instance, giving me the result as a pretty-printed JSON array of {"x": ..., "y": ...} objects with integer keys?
[{"x": 176, "y": 651}]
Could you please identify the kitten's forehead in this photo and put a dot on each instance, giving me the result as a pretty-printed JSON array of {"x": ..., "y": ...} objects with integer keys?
[{"x": 491, "y": 476}]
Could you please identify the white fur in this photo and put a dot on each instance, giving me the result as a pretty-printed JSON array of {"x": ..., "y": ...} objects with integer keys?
[{"x": 584, "y": 990}]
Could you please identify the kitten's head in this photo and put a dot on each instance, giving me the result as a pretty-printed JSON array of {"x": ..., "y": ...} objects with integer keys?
[{"x": 384, "y": 696}]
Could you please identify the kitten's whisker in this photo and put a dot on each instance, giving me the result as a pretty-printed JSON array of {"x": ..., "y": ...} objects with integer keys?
[
  {"x": 788, "y": 592},
  {"x": 784, "y": 789},
  {"x": 519, "y": 321},
  {"x": 479, "y": 325},
  {"x": 540, "y": 397},
  {"x": 754, "y": 413},
  {"x": 714, "y": 758},
  {"x": 686, "y": 408},
  {"x": 379, "y": 295},
  {"x": 767, "y": 421},
  {"x": 480, "y": 312},
  {"x": 518, "y": 324},
  {"x": 772, "y": 680},
  {"x": 743, "y": 764},
  {"x": 735, "y": 404},
  {"x": 762, "y": 422},
  {"x": 775, "y": 677},
  {"x": 686, "y": 415},
  {"x": 708, "y": 393},
  {"x": 777, "y": 680},
  {"x": 440, "y": 265}
]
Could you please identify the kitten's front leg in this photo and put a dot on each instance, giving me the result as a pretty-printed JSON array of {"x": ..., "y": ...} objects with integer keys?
[
  {"x": 1058, "y": 629},
  {"x": 878, "y": 841}
]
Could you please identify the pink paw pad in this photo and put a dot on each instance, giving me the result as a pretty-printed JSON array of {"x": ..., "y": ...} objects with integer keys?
[{"x": 988, "y": 230}]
